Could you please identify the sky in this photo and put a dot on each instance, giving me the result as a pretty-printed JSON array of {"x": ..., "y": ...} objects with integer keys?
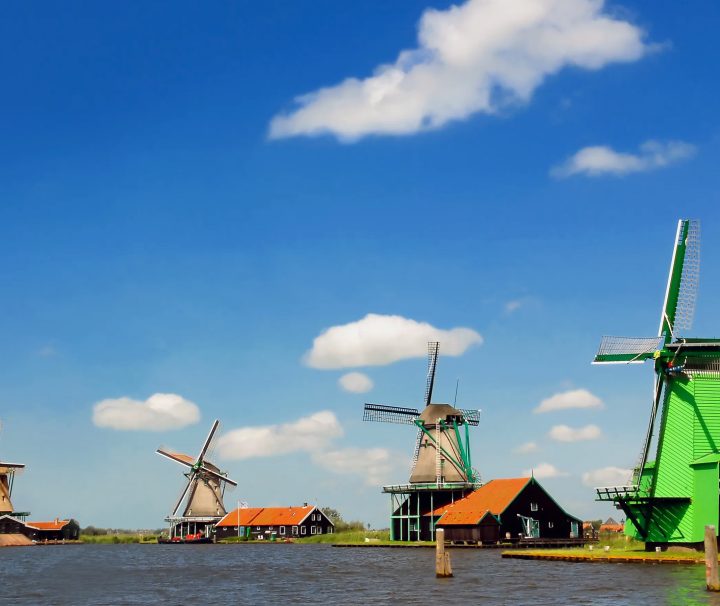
[{"x": 261, "y": 213}]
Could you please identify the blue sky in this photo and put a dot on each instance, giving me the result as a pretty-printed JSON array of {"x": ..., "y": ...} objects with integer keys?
[{"x": 154, "y": 238}]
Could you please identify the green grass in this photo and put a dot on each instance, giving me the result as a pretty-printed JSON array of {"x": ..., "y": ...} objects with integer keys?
[
  {"x": 351, "y": 537},
  {"x": 115, "y": 539},
  {"x": 620, "y": 547}
]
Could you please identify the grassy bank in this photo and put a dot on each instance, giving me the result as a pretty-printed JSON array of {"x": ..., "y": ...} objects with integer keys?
[
  {"x": 116, "y": 539},
  {"x": 611, "y": 548}
]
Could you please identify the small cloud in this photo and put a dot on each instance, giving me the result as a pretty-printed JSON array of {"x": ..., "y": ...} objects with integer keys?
[
  {"x": 574, "y": 398},
  {"x": 564, "y": 433},
  {"x": 374, "y": 465},
  {"x": 47, "y": 351},
  {"x": 599, "y": 160},
  {"x": 526, "y": 448},
  {"x": 313, "y": 433},
  {"x": 160, "y": 412},
  {"x": 513, "y": 306},
  {"x": 477, "y": 56},
  {"x": 377, "y": 340},
  {"x": 356, "y": 382},
  {"x": 607, "y": 476},
  {"x": 544, "y": 470}
]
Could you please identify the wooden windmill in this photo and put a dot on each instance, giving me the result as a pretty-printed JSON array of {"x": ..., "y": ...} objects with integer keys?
[
  {"x": 7, "y": 478},
  {"x": 202, "y": 495},
  {"x": 673, "y": 493},
  {"x": 441, "y": 465}
]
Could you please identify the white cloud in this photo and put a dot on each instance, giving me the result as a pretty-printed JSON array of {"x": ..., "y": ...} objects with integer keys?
[
  {"x": 474, "y": 57},
  {"x": 377, "y": 340},
  {"x": 375, "y": 465},
  {"x": 564, "y": 433},
  {"x": 599, "y": 160},
  {"x": 526, "y": 448},
  {"x": 607, "y": 476},
  {"x": 159, "y": 412},
  {"x": 544, "y": 470},
  {"x": 513, "y": 306},
  {"x": 574, "y": 398},
  {"x": 356, "y": 382},
  {"x": 308, "y": 434}
]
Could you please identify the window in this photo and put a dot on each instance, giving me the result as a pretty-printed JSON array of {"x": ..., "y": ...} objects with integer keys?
[
  {"x": 282, "y": 529},
  {"x": 303, "y": 530},
  {"x": 533, "y": 506},
  {"x": 551, "y": 524},
  {"x": 257, "y": 527},
  {"x": 330, "y": 530},
  {"x": 294, "y": 530}
]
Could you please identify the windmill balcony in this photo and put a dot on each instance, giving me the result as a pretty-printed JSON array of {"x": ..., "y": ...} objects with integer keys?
[{"x": 613, "y": 493}]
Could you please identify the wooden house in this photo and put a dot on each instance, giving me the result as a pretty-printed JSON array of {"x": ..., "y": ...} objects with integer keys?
[
  {"x": 276, "y": 523},
  {"x": 11, "y": 525},
  {"x": 521, "y": 507},
  {"x": 57, "y": 530}
]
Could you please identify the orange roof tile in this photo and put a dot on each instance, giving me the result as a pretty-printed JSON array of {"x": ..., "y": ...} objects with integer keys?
[
  {"x": 495, "y": 497},
  {"x": 462, "y": 518},
  {"x": 54, "y": 525},
  {"x": 266, "y": 516}
]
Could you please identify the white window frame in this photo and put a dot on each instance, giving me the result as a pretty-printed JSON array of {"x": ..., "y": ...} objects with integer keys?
[
  {"x": 295, "y": 530},
  {"x": 534, "y": 507},
  {"x": 303, "y": 530},
  {"x": 312, "y": 530}
]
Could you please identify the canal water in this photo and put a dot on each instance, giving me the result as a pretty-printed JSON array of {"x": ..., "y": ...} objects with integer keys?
[{"x": 318, "y": 574}]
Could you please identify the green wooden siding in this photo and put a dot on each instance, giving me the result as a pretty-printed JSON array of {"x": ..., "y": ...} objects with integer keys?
[{"x": 675, "y": 452}]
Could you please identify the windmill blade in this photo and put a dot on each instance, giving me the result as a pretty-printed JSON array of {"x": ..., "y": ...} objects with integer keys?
[
  {"x": 679, "y": 306},
  {"x": 217, "y": 475},
  {"x": 175, "y": 456},
  {"x": 416, "y": 452},
  {"x": 627, "y": 350},
  {"x": 471, "y": 417},
  {"x": 13, "y": 465},
  {"x": 191, "y": 480},
  {"x": 205, "y": 447},
  {"x": 433, "y": 348},
  {"x": 659, "y": 383},
  {"x": 390, "y": 414}
]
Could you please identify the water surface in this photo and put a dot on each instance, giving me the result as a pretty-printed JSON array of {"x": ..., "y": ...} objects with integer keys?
[{"x": 319, "y": 574}]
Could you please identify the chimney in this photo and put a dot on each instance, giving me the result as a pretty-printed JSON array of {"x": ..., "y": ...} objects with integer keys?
[{"x": 304, "y": 504}]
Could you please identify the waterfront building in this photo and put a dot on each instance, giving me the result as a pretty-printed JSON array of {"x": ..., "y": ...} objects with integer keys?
[{"x": 274, "y": 523}]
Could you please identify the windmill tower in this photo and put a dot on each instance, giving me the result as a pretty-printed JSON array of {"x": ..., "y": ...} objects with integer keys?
[
  {"x": 7, "y": 479},
  {"x": 673, "y": 493},
  {"x": 441, "y": 465},
  {"x": 202, "y": 495}
]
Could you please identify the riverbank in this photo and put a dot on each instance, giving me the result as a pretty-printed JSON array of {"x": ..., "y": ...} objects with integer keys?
[{"x": 601, "y": 556}]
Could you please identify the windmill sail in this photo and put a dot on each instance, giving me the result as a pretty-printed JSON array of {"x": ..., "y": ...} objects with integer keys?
[
  {"x": 683, "y": 278},
  {"x": 627, "y": 350}
]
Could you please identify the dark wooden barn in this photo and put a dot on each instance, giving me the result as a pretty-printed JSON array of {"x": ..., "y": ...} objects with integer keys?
[
  {"x": 470, "y": 526},
  {"x": 274, "y": 523},
  {"x": 57, "y": 530},
  {"x": 11, "y": 525},
  {"x": 521, "y": 506}
]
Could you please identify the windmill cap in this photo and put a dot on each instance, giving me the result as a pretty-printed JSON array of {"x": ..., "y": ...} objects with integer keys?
[{"x": 433, "y": 412}]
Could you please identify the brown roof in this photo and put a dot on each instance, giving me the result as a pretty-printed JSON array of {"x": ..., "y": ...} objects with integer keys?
[
  {"x": 266, "y": 516},
  {"x": 463, "y": 518},
  {"x": 54, "y": 525},
  {"x": 495, "y": 497}
]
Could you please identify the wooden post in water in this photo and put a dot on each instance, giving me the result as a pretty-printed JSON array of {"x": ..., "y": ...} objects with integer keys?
[
  {"x": 442, "y": 557},
  {"x": 711, "y": 560}
]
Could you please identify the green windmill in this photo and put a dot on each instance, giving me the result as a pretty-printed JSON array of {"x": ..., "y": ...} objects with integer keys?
[{"x": 674, "y": 494}]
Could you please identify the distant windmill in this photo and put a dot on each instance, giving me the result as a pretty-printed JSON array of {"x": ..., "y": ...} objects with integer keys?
[
  {"x": 441, "y": 465},
  {"x": 673, "y": 495},
  {"x": 203, "y": 494},
  {"x": 7, "y": 478}
]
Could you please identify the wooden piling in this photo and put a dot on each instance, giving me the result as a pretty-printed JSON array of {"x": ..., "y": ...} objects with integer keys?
[
  {"x": 442, "y": 557},
  {"x": 711, "y": 559}
]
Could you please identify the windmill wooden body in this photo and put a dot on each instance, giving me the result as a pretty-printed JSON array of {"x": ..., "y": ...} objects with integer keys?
[
  {"x": 673, "y": 493},
  {"x": 201, "y": 499},
  {"x": 442, "y": 468},
  {"x": 8, "y": 471}
]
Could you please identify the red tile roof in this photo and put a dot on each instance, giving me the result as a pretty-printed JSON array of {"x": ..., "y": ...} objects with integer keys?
[
  {"x": 55, "y": 525},
  {"x": 495, "y": 497},
  {"x": 266, "y": 516},
  {"x": 463, "y": 518}
]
